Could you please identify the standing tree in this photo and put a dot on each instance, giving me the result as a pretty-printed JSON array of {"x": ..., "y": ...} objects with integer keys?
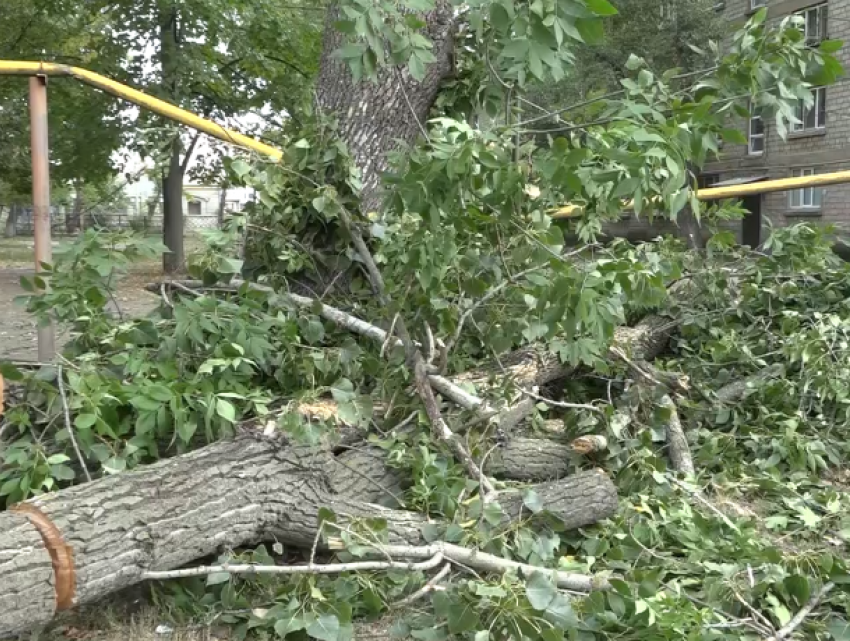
[{"x": 216, "y": 59}]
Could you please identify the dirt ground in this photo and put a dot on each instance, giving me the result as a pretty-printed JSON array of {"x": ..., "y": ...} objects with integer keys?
[{"x": 18, "y": 329}]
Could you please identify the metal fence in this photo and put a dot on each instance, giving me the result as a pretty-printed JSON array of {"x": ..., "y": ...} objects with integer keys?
[{"x": 67, "y": 224}]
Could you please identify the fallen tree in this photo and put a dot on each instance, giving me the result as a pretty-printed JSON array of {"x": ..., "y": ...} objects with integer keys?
[{"x": 80, "y": 544}]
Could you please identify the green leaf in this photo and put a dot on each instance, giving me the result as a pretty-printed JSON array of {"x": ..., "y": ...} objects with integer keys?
[
  {"x": 186, "y": 430},
  {"x": 55, "y": 459},
  {"x": 9, "y": 486},
  {"x": 561, "y": 613},
  {"x": 601, "y": 7},
  {"x": 115, "y": 465},
  {"x": 626, "y": 187},
  {"x": 325, "y": 628},
  {"x": 225, "y": 410},
  {"x": 830, "y": 46},
  {"x": 416, "y": 67},
  {"x": 482, "y": 635},
  {"x": 218, "y": 577},
  {"x": 540, "y": 591},
  {"x": 798, "y": 587},
  {"x": 240, "y": 167},
  {"x": 145, "y": 404},
  {"x": 733, "y": 136},
  {"x": 532, "y": 501},
  {"x": 62, "y": 473},
  {"x": 808, "y": 517},
  {"x": 838, "y": 628},
  {"x": 590, "y": 29},
  {"x": 85, "y": 421},
  {"x": 284, "y": 626},
  {"x": 10, "y": 372},
  {"x": 634, "y": 63},
  {"x": 678, "y": 202},
  {"x": 462, "y": 618}
]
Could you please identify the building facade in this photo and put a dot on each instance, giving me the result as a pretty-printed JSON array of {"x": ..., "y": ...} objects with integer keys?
[{"x": 819, "y": 144}]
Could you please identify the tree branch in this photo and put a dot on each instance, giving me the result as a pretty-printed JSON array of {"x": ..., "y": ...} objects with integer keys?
[
  {"x": 416, "y": 363},
  {"x": 312, "y": 568},
  {"x": 788, "y": 629},
  {"x": 485, "y": 562}
]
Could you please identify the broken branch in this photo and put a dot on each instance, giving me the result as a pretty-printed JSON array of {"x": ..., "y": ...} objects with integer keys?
[
  {"x": 311, "y": 568},
  {"x": 677, "y": 441}
]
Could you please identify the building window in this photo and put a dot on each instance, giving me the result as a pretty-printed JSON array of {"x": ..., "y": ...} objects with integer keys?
[
  {"x": 807, "y": 197},
  {"x": 757, "y": 4},
  {"x": 813, "y": 117},
  {"x": 756, "y": 133},
  {"x": 814, "y": 24}
]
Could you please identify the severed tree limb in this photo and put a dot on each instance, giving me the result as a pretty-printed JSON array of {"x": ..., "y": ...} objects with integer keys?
[
  {"x": 479, "y": 560},
  {"x": 736, "y": 390},
  {"x": 561, "y": 404},
  {"x": 788, "y": 629},
  {"x": 68, "y": 426},
  {"x": 529, "y": 366},
  {"x": 310, "y": 568},
  {"x": 439, "y": 428},
  {"x": 347, "y": 321},
  {"x": 677, "y": 442},
  {"x": 114, "y": 530}
]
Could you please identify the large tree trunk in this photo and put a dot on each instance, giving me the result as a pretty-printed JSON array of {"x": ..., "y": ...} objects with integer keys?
[
  {"x": 172, "y": 183},
  {"x": 12, "y": 221},
  {"x": 374, "y": 116},
  {"x": 88, "y": 541}
]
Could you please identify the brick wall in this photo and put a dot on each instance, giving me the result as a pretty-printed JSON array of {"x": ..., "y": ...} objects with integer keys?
[{"x": 824, "y": 150}]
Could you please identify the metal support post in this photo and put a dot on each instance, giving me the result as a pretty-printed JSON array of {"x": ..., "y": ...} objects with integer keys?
[{"x": 41, "y": 198}]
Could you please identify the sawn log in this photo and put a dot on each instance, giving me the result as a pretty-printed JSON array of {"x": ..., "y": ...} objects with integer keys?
[{"x": 82, "y": 543}]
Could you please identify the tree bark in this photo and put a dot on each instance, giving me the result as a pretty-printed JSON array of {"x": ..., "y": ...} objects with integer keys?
[
  {"x": 363, "y": 472},
  {"x": 72, "y": 222},
  {"x": 220, "y": 497},
  {"x": 172, "y": 212},
  {"x": 535, "y": 365},
  {"x": 172, "y": 181},
  {"x": 677, "y": 441},
  {"x": 374, "y": 116},
  {"x": 12, "y": 221}
]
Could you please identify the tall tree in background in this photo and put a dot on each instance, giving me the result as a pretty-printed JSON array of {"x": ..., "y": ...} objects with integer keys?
[
  {"x": 220, "y": 60},
  {"x": 86, "y": 127}
]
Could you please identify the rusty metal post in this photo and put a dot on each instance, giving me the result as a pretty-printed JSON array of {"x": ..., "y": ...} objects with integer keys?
[{"x": 41, "y": 197}]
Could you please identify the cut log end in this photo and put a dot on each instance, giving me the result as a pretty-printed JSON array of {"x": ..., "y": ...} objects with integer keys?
[{"x": 590, "y": 444}]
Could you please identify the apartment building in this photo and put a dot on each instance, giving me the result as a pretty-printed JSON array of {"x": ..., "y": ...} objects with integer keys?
[{"x": 819, "y": 144}]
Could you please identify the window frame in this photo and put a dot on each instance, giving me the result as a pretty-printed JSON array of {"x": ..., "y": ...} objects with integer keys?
[
  {"x": 800, "y": 195},
  {"x": 754, "y": 115},
  {"x": 818, "y": 108},
  {"x": 822, "y": 22}
]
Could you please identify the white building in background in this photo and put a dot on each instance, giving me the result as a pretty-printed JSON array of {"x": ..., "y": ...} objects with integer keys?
[{"x": 200, "y": 202}]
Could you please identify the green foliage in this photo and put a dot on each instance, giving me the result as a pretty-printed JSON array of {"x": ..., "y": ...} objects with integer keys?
[
  {"x": 143, "y": 388},
  {"x": 466, "y": 237}
]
